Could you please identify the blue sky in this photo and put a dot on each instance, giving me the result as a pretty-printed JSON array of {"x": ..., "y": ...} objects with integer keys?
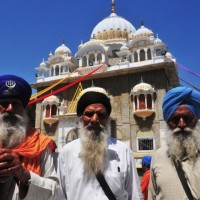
[{"x": 31, "y": 29}]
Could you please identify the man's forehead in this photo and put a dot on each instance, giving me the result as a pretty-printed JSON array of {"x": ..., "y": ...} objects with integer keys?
[
  {"x": 10, "y": 100},
  {"x": 184, "y": 109},
  {"x": 98, "y": 106}
]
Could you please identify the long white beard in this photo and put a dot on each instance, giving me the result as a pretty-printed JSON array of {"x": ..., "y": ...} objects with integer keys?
[
  {"x": 94, "y": 148},
  {"x": 12, "y": 129},
  {"x": 184, "y": 144}
]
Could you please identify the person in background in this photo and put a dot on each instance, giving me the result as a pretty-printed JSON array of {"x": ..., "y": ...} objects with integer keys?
[
  {"x": 26, "y": 163},
  {"x": 175, "y": 166},
  {"x": 96, "y": 155},
  {"x": 146, "y": 162}
]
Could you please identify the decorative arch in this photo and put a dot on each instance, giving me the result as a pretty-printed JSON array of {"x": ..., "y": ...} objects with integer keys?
[{"x": 71, "y": 135}]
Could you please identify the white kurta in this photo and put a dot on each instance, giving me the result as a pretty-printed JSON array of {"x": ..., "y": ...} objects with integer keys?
[
  {"x": 165, "y": 183},
  {"x": 121, "y": 174},
  {"x": 44, "y": 187}
]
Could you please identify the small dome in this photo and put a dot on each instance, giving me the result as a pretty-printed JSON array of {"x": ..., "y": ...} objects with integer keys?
[
  {"x": 62, "y": 50},
  {"x": 80, "y": 45},
  {"x": 142, "y": 86},
  {"x": 52, "y": 98},
  {"x": 43, "y": 64},
  {"x": 158, "y": 40},
  {"x": 50, "y": 54},
  {"x": 168, "y": 55},
  {"x": 112, "y": 27},
  {"x": 143, "y": 32}
]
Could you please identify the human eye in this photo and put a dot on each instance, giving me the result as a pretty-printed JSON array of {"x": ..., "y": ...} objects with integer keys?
[
  {"x": 102, "y": 115},
  {"x": 188, "y": 119},
  {"x": 89, "y": 114},
  {"x": 175, "y": 120},
  {"x": 16, "y": 103},
  {"x": 4, "y": 104}
]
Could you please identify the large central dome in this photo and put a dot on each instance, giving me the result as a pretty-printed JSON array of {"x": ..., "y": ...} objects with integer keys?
[{"x": 113, "y": 27}]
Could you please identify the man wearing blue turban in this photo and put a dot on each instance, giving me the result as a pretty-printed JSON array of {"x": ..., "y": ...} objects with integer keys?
[
  {"x": 146, "y": 163},
  {"x": 175, "y": 166},
  {"x": 26, "y": 162}
]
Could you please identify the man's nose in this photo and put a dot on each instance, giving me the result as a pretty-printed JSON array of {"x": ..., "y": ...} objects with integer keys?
[
  {"x": 9, "y": 107},
  {"x": 181, "y": 123},
  {"x": 95, "y": 118}
]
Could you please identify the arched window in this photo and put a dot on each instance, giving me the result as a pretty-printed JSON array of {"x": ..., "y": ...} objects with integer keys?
[
  {"x": 99, "y": 58},
  {"x": 52, "y": 71},
  {"x": 149, "y": 54},
  {"x": 48, "y": 111},
  {"x": 149, "y": 101},
  {"x": 135, "y": 99},
  {"x": 91, "y": 59},
  {"x": 84, "y": 61},
  {"x": 142, "y": 55},
  {"x": 62, "y": 69},
  {"x": 158, "y": 52},
  {"x": 53, "y": 110},
  {"x": 57, "y": 70},
  {"x": 142, "y": 102},
  {"x": 135, "y": 57}
]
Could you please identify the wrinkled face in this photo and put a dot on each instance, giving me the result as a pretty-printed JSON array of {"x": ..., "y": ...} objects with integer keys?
[
  {"x": 13, "y": 123},
  {"x": 95, "y": 116},
  {"x": 182, "y": 118}
]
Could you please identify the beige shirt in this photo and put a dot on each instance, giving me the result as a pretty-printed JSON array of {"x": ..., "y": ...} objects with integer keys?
[{"x": 165, "y": 183}]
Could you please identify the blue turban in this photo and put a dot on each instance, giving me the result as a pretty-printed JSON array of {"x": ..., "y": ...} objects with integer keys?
[
  {"x": 146, "y": 160},
  {"x": 179, "y": 96},
  {"x": 15, "y": 87}
]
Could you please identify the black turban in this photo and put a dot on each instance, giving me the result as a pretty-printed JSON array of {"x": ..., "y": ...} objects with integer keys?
[{"x": 90, "y": 96}]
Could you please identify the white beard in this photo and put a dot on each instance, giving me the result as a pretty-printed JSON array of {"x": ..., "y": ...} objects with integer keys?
[
  {"x": 184, "y": 144},
  {"x": 94, "y": 148},
  {"x": 12, "y": 129}
]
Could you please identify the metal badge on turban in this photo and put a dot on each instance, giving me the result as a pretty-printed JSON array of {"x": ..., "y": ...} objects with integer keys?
[
  {"x": 90, "y": 96},
  {"x": 15, "y": 87}
]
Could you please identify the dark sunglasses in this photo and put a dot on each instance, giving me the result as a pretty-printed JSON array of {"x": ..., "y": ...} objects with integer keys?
[{"x": 101, "y": 115}]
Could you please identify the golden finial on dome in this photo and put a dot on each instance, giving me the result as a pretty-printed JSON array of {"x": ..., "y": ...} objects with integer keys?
[{"x": 113, "y": 6}]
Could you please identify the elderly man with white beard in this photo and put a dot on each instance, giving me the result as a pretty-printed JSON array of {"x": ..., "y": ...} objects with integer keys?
[
  {"x": 26, "y": 162},
  {"x": 175, "y": 168},
  {"x": 94, "y": 160}
]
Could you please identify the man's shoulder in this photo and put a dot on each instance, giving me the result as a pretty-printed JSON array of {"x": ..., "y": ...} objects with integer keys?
[{"x": 71, "y": 145}]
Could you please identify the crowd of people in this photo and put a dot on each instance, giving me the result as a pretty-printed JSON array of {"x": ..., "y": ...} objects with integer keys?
[{"x": 96, "y": 166}]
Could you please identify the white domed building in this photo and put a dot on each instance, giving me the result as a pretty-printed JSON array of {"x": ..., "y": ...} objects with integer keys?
[{"x": 127, "y": 53}]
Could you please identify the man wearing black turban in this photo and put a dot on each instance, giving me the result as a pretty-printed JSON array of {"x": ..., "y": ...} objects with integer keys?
[
  {"x": 175, "y": 167},
  {"x": 81, "y": 160}
]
